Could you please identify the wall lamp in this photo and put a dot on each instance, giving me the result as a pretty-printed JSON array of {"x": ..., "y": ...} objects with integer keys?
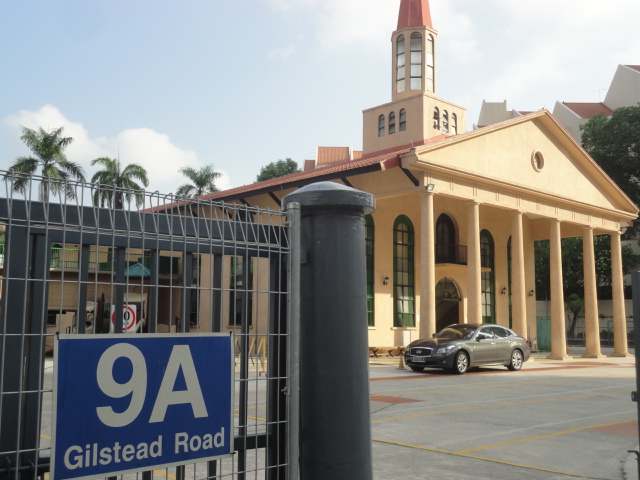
[
  {"x": 385, "y": 281},
  {"x": 532, "y": 293},
  {"x": 504, "y": 290},
  {"x": 430, "y": 187}
]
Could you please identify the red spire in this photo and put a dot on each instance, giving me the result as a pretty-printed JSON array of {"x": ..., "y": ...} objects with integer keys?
[{"x": 414, "y": 13}]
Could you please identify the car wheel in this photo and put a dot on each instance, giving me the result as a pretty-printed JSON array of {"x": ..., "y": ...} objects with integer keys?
[
  {"x": 460, "y": 363},
  {"x": 416, "y": 369},
  {"x": 516, "y": 361}
]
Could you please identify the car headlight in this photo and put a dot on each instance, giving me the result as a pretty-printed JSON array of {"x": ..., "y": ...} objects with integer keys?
[{"x": 444, "y": 350}]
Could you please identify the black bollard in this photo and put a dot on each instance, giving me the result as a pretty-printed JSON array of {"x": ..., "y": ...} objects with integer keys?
[{"x": 335, "y": 419}]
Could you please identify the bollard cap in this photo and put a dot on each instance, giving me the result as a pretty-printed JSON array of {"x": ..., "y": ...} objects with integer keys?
[{"x": 330, "y": 194}]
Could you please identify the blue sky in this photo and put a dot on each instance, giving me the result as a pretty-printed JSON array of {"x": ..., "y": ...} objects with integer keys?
[{"x": 242, "y": 83}]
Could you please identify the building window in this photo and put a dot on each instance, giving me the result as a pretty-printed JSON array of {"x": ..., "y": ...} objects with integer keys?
[
  {"x": 446, "y": 249},
  {"x": 416, "y": 61},
  {"x": 454, "y": 124},
  {"x": 436, "y": 118},
  {"x": 403, "y": 273},
  {"x": 445, "y": 121},
  {"x": 381, "y": 126},
  {"x": 537, "y": 160},
  {"x": 368, "y": 240},
  {"x": 487, "y": 277},
  {"x": 392, "y": 123},
  {"x": 400, "y": 64},
  {"x": 403, "y": 120},
  {"x": 240, "y": 296},
  {"x": 430, "y": 86}
]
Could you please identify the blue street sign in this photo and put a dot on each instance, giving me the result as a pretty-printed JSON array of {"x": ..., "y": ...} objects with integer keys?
[{"x": 125, "y": 403}]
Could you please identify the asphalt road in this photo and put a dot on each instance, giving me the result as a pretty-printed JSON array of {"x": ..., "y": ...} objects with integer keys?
[{"x": 551, "y": 420}]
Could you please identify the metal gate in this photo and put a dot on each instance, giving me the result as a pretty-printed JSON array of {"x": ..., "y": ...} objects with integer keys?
[{"x": 161, "y": 264}]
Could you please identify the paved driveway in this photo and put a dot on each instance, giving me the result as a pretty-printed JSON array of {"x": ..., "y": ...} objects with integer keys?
[{"x": 551, "y": 420}]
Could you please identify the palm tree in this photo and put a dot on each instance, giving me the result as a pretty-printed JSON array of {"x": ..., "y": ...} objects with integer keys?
[
  {"x": 48, "y": 153},
  {"x": 119, "y": 183},
  {"x": 203, "y": 182}
]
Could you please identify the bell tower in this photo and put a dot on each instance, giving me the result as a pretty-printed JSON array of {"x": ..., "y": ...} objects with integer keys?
[
  {"x": 415, "y": 114},
  {"x": 414, "y": 47}
]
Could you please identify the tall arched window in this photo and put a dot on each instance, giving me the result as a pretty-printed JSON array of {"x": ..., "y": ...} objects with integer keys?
[
  {"x": 392, "y": 123},
  {"x": 381, "y": 126},
  {"x": 445, "y": 121},
  {"x": 368, "y": 241},
  {"x": 445, "y": 240},
  {"x": 416, "y": 61},
  {"x": 487, "y": 254},
  {"x": 430, "y": 65},
  {"x": 403, "y": 273},
  {"x": 454, "y": 124},
  {"x": 400, "y": 64},
  {"x": 436, "y": 118},
  {"x": 403, "y": 120}
]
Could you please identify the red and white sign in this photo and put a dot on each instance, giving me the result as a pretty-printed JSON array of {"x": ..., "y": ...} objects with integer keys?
[{"x": 129, "y": 318}]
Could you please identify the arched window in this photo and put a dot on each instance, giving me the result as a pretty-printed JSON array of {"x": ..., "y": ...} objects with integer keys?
[
  {"x": 416, "y": 61},
  {"x": 381, "y": 126},
  {"x": 430, "y": 65},
  {"x": 368, "y": 241},
  {"x": 445, "y": 121},
  {"x": 454, "y": 124},
  {"x": 400, "y": 64},
  {"x": 487, "y": 254},
  {"x": 403, "y": 120},
  {"x": 446, "y": 240},
  {"x": 436, "y": 118},
  {"x": 392, "y": 123},
  {"x": 403, "y": 273}
]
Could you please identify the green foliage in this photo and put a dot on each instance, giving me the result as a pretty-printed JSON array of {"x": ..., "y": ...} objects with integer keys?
[
  {"x": 614, "y": 143},
  {"x": 119, "y": 183},
  {"x": 277, "y": 169},
  {"x": 48, "y": 155},
  {"x": 573, "y": 264},
  {"x": 202, "y": 182}
]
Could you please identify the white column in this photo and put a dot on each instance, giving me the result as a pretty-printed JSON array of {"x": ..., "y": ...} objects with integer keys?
[
  {"x": 474, "y": 267},
  {"x": 620, "y": 348},
  {"x": 518, "y": 289},
  {"x": 591, "y": 324},
  {"x": 427, "y": 268},
  {"x": 558, "y": 327}
]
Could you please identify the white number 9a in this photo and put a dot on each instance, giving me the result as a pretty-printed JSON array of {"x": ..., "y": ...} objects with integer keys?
[{"x": 136, "y": 385}]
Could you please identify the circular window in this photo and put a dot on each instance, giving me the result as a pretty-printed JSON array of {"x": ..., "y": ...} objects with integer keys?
[{"x": 537, "y": 160}]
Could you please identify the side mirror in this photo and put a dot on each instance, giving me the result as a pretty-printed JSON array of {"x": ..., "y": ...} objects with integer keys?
[{"x": 480, "y": 336}]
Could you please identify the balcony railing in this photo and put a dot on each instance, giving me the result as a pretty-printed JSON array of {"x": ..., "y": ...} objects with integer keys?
[{"x": 450, "y": 253}]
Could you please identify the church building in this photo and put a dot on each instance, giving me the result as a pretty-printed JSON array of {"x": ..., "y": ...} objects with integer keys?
[{"x": 458, "y": 212}]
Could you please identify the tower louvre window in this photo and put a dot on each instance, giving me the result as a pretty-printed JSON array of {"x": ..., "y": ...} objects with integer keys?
[
  {"x": 445, "y": 121},
  {"x": 403, "y": 120},
  {"x": 392, "y": 123},
  {"x": 416, "y": 61},
  {"x": 436, "y": 118},
  {"x": 381, "y": 126},
  {"x": 430, "y": 65},
  {"x": 400, "y": 64},
  {"x": 454, "y": 124}
]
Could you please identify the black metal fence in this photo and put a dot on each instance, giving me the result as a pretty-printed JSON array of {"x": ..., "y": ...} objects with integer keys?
[{"x": 67, "y": 265}]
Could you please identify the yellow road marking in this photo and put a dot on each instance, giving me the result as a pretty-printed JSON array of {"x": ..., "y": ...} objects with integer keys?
[
  {"x": 530, "y": 467},
  {"x": 476, "y": 407},
  {"x": 565, "y": 432}
]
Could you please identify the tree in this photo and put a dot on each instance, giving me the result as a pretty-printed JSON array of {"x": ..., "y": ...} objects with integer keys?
[
  {"x": 277, "y": 169},
  {"x": 575, "y": 304},
  {"x": 48, "y": 154},
  {"x": 202, "y": 182},
  {"x": 120, "y": 182},
  {"x": 614, "y": 143}
]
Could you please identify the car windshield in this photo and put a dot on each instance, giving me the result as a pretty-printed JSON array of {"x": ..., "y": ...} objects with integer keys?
[{"x": 456, "y": 331}]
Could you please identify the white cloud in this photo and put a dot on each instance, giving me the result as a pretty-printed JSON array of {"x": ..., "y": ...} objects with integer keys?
[
  {"x": 283, "y": 53},
  {"x": 154, "y": 151}
]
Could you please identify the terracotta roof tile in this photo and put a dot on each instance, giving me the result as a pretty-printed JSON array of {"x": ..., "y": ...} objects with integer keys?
[
  {"x": 588, "y": 110},
  {"x": 332, "y": 155},
  {"x": 414, "y": 13},
  {"x": 634, "y": 67}
]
